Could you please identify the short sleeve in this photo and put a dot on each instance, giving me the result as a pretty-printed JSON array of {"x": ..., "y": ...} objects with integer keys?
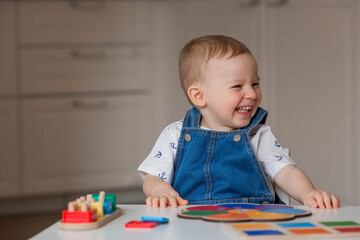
[
  {"x": 160, "y": 161},
  {"x": 269, "y": 151}
]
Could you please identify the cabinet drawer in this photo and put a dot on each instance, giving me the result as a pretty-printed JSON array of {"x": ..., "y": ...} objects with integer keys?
[
  {"x": 91, "y": 69},
  {"x": 84, "y": 21},
  {"x": 82, "y": 144}
]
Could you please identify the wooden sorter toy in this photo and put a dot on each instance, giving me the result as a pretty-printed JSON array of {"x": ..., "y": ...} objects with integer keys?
[{"x": 91, "y": 212}]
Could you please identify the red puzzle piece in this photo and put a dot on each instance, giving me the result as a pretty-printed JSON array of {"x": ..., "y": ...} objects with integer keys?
[
  {"x": 141, "y": 224},
  {"x": 79, "y": 217}
]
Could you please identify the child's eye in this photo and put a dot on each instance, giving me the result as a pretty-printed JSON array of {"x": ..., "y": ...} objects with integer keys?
[
  {"x": 255, "y": 84},
  {"x": 237, "y": 86}
]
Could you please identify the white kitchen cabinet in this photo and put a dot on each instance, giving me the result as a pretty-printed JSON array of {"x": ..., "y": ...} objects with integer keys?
[
  {"x": 84, "y": 143},
  {"x": 86, "y": 79},
  {"x": 8, "y": 149},
  {"x": 7, "y": 48},
  {"x": 84, "y": 21},
  {"x": 85, "y": 69},
  {"x": 312, "y": 102}
]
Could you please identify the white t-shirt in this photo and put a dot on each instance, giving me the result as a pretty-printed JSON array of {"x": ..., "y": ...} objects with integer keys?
[{"x": 160, "y": 161}]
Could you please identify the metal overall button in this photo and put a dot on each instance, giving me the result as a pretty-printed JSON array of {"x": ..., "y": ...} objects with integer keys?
[
  {"x": 187, "y": 137},
  {"x": 237, "y": 138}
]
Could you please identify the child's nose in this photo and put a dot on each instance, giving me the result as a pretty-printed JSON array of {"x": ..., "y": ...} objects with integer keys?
[{"x": 250, "y": 93}]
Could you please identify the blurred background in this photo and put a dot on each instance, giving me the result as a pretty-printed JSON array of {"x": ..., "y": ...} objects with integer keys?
[{"x": 86, "y": 87}]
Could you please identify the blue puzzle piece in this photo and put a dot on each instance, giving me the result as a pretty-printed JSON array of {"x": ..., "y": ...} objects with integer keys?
[{"x": 155, "y": 219}]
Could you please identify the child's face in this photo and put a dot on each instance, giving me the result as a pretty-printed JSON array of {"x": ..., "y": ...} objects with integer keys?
[{"x": 231, "y": 91}]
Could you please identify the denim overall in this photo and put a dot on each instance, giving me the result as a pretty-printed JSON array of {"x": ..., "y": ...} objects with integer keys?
[{"x": 219, "y": 167}]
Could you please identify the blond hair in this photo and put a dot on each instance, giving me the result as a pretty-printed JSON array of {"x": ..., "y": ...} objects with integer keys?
[{"x": 197, "y": 53}]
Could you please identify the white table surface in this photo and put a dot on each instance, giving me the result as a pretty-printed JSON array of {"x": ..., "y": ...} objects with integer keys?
[{"x": 177, "y": 228}]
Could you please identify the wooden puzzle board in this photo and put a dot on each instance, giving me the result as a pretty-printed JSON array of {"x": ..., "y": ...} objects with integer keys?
[
  {"x": 293, "y": 230},
  {"x": 240, "y": 212},
  {"x": 93, "y": 225}
]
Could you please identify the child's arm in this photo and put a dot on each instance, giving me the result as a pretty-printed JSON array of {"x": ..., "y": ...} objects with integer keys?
[
  {"x": 160, "y": 193},
  {"x": 295, "y": 182}
]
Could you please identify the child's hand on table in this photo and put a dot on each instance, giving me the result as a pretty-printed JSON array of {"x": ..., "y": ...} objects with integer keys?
[
  {"x": 161, "y": 194},
  {"x": 320, "y": 199},
  {"x": 298, "y": 185}
]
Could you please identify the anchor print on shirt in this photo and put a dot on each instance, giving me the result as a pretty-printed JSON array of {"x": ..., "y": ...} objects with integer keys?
[
  {"x": 172, "y": 145},
  {"x": 277, "y": 144},
  {"x": 162, "y": 176},
  {"x": 158, "y": 154},
  {"x": 278, "y": 157}
]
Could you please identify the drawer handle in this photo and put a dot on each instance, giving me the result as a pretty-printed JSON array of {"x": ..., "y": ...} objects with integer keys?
[
  {"x": 97, "y": 4},
  {"x": 89, "y": 104},
  {"x": 88, "y": 54}
]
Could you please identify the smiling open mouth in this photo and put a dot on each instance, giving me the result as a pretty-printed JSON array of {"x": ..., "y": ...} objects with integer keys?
[{"x": 243, "y": 109}]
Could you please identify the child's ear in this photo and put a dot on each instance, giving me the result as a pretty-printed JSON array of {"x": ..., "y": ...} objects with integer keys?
[{"x": 196, "y": 96}]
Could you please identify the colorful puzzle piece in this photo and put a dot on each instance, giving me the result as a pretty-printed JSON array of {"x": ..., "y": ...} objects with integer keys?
[
  {"x": 155, "y": 219},
  {"x": 79, "y": 216},
  {"x": 141, "y": 224},
  {"x": 243, "y": 212},
  {"x": 293, "y": 230}
]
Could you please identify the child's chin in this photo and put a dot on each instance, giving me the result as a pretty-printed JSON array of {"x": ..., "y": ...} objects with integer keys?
[{"x": 243, "y": 124}]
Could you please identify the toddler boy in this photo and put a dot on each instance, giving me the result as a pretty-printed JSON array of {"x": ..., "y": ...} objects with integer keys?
[{"x": 222, "y": 151}]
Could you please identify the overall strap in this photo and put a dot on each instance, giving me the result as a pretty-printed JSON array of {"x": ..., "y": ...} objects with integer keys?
[{"x": 192, "y": 118}]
